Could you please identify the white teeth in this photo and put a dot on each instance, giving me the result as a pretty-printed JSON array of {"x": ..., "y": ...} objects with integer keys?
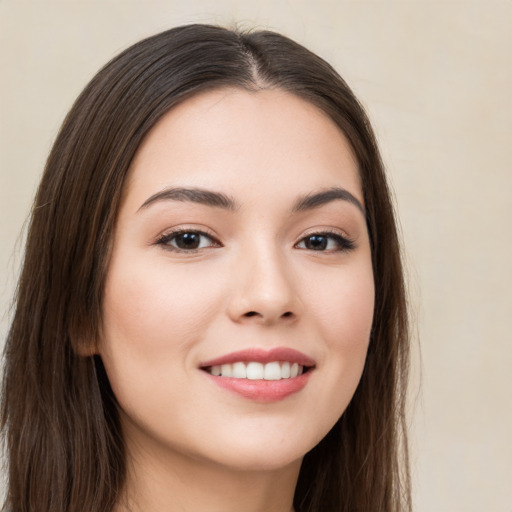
[
  {"x": 285, "y": 370},
  {"x": 274, "y": 370},
  {"x": 255, "y": 371},
  {"x": 226, "y": 370},
  {"x": 239, "y": 371}
]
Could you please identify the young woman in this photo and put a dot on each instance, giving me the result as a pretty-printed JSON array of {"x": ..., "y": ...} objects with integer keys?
[{"x": 211, "y": 311}]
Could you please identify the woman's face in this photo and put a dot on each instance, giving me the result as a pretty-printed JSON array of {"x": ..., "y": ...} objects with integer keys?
[{"x": 240, "y": 249}]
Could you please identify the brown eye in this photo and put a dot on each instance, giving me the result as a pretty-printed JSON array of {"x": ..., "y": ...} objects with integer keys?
[
  {"x": 326, "y": 242},
  {"x": 316, "y": 242},
  {"x": 187, "y": 241}
]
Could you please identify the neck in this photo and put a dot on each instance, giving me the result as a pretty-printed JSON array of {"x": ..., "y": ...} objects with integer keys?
[{"x": 166, "y": 482}]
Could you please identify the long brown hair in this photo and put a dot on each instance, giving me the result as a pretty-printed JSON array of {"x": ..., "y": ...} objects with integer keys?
[{"x": 64, "y": 446}]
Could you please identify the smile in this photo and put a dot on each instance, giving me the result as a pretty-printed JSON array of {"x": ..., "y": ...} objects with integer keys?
[{"x": 261, "y": 375}]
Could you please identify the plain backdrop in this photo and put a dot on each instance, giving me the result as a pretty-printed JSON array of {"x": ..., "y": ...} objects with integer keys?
[{"x": 436, "y": 79}]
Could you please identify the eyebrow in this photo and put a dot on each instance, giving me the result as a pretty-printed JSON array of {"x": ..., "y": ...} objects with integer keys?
[
  {"x": 220, "y": 200},
  {"x": 194, "y": 195},
  {"x": 312, "y": 201}
]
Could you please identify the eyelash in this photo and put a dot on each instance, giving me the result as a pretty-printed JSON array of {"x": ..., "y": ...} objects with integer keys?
[
  {"x": 168, "y": 237},
  {"x": 344, "y": 244}
]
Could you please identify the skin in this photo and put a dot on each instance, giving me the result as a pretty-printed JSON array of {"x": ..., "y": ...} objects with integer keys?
[{"x": 256, "y": 282}]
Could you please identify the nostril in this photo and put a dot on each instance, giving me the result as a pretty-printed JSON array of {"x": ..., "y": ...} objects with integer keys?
[{"x": 249, "y": 314}]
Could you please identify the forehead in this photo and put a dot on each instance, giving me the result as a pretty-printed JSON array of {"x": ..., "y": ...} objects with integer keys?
[{"x": 231, "y": 138}]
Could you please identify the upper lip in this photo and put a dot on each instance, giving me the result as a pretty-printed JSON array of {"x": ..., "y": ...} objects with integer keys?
[{"x": 261, "y": 356}]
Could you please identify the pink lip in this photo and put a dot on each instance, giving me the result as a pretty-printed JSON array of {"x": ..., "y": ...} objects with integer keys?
[
  {"x": 262, "y": 356},
  {"x": 264, "y": 391}
]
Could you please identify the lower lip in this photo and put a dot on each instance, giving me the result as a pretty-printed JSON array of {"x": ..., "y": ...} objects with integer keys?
[{"x": 262, "y": 390}]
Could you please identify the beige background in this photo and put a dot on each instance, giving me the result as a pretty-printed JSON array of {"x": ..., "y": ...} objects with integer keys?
[{"x": 436, "y": 78}]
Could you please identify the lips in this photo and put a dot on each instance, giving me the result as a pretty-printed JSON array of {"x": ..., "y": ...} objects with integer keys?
[
  {"x": 263, "y": 376},
  {"x": 262, "y": 356}
]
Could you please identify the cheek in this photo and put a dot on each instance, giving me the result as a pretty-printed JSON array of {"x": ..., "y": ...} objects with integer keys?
[
  {"x": 343, "y": 305},
  {"x": 153, "y": 322},
  {"x": 341, "y": 308},
  {"x": 158, "y": 308}
]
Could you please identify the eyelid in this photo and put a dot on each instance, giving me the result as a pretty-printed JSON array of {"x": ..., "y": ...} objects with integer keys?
[
  {"x": 169, "y": 234},
  {"x": 346, "y": 242},
  {"x": 324, "y": 231}
]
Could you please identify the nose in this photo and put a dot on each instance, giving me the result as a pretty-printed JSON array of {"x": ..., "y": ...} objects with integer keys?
[{"x": 264, "y": 290}]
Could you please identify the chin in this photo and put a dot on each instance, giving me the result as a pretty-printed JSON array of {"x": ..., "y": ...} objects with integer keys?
[
  {"x": 264, "y": 453},
  {"x": 262, "y": 460}
]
